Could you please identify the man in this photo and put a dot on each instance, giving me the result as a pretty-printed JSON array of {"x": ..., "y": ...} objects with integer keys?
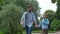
[
  {"x": 27, "y": 20},
  {"x": 44, "y": 24}
]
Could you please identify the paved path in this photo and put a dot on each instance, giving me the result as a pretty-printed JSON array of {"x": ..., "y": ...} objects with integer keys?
[
  {"x": 40, "y": 33},
  {"x": 48, "y": 33},
  {"x": 58, "y": 32}
]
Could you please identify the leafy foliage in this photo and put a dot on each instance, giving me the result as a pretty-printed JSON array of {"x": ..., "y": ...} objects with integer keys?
[
  {"x": 55, "y": 25},
  {"x": 58, "y": 8},
  {"x": 11, "y": 13},
  {"x": 50, "y": 15},
  {"x": 10, "y": 16},
  {"x": 53, "y": 1}
]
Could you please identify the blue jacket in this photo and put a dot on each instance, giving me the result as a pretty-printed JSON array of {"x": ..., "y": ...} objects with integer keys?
[{"x": 44, "y": 24}]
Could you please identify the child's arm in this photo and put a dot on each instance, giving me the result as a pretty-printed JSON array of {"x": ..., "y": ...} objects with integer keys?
[
  {"x": 46, "y": 22},
  {"x": 39, "y": 24}
]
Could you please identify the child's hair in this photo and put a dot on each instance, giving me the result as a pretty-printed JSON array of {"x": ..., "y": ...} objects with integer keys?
[{"x": 45, "y": 15}]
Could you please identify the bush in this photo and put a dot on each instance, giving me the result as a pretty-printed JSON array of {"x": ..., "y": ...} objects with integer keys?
[
  {"x": 10, "y": 17},
  {"x": 1, "y": 32},
  {"x": 55, "y": 25}
]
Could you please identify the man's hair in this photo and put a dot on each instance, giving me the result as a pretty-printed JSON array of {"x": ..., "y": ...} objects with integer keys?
[{"x": 29, "y": 6}]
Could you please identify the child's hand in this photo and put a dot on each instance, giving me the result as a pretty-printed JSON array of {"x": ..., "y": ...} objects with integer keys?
[{"x": 38, "y": 26}]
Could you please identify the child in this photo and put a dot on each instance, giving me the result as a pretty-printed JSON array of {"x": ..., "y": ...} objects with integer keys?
[{"x": 44, "y": 24}]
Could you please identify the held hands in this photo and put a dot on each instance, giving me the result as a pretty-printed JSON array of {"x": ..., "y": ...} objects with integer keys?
[{"x": 36, "y": 26}]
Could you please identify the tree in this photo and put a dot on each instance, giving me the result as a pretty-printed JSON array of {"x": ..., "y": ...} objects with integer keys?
[
  {"x": 4, "y": 2},
  {"x": 1, "y": 3},
  {"x": 58, "y": 8},
  {"x": 55, "y": 25},
  {"x": 50, "y": 14},
  {"x": 10, "y": 17},
  {"x": 25, "y": 4},
  {"x": 11, "y": 13}
]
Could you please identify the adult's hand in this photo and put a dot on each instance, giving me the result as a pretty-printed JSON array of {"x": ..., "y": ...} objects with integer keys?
[
  {"x": 21, "y": 22},
  {"x": 36, "y": 26}
]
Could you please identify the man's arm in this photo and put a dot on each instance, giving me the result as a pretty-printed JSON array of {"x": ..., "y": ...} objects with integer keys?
[
  {"x": 36, "y": 24},
  {"x": 40, "y": 24},
  {"x": 21, "y": 21},
  {"x": 35, "y": 21}
]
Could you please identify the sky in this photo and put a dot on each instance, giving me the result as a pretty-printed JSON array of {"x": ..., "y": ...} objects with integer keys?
[{"x": 46, "y": 5}]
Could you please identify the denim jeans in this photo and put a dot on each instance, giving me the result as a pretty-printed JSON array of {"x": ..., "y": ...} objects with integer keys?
[{"x": 28, "y": 30}]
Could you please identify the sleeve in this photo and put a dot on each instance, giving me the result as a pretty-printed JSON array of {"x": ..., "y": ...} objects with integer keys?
[
  {"x": 46, "y": 22},
  {"x": 23, "y": 17},
  {"x": 34, "y": 18},
  {"x": 40, "y": 23}
]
